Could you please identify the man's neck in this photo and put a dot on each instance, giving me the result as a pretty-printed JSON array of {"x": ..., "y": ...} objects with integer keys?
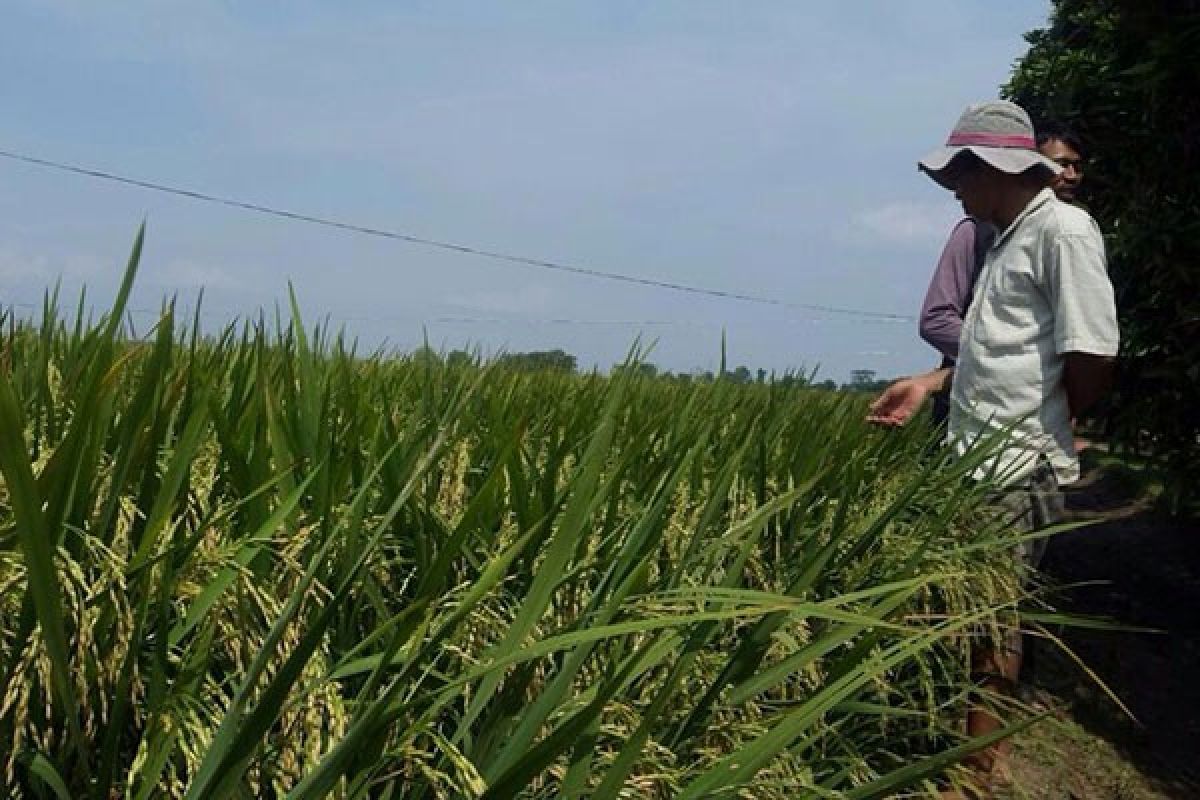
[{"x": 1013, "y": 204}]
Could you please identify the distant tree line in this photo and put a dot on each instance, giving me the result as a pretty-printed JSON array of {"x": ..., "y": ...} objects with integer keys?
[
  {"x": 538, "y": 360},
  {"x": 738, "y": 375},
  {"x": 862, "y": 380}
]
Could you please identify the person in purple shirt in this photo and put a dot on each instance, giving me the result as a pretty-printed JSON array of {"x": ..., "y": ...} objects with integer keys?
[
  {"x": 953, "y": 280},
  {"x": 950, "y": 291}
]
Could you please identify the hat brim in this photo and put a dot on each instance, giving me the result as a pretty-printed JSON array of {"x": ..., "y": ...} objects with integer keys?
[{"x": 1012, "y": 160}]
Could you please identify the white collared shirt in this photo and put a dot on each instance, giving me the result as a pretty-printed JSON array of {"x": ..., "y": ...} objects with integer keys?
[{"x": 1043, "y": 292}]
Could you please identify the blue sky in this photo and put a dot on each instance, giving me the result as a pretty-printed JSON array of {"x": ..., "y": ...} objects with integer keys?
[{"x": 767, "y": 148}]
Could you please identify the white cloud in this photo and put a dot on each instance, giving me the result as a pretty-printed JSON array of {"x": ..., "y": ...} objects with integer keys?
[
  {"x": 16, "y": 268},
  {"x": 187, "y": 273},
  {"x": 21, "y": 268},
  {"x": 524, "y": 300},
  {"x": 905, "y": 223}
]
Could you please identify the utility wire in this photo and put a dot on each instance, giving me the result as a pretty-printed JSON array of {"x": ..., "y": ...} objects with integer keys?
[
  {"x": 457, "y": 248},
  {"x": 231, "y": 316}
]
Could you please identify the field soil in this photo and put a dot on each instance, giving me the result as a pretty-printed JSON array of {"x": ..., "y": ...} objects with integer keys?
[{"x": 1142, "y": 570}]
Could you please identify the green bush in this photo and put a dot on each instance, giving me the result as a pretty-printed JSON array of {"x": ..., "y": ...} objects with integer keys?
[{"x": 1124, "y": 73}]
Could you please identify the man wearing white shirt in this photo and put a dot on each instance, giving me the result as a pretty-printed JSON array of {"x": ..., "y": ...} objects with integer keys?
[{"x": 1037, "y": 344}]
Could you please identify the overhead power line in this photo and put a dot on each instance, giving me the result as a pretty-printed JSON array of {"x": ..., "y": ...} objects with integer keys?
[
  {"x": 233, "y": 316},
  {"x": 442, "y": 245}
]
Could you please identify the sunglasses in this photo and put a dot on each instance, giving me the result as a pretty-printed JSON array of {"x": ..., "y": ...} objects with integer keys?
[{"x": 1070, "y": 163}]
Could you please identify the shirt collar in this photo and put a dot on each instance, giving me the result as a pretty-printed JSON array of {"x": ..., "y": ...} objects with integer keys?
[{"x": 1039, "y": 200}]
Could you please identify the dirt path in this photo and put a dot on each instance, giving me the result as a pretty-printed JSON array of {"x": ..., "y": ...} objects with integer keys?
[{"x": 1151, "y": 573}]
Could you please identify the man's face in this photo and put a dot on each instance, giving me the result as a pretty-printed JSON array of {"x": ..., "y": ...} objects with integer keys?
[
  {"x": 974, "y": 188},
  {"x": 1066, "y": 183}
]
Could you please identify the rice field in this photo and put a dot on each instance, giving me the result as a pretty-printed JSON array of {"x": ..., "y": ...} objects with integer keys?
[{"x": 259, "y": 564}]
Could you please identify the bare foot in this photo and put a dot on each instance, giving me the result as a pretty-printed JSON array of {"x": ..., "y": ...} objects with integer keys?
[
  {"x": 971, "y": 792},
  {"x": 983, "y": 773}
]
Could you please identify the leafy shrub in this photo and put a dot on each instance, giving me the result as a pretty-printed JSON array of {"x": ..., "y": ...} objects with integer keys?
[{"x": 1123, "y": 73}]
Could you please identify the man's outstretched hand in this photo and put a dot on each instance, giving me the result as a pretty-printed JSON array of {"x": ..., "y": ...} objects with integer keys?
[{"x": 904, "y": 398}]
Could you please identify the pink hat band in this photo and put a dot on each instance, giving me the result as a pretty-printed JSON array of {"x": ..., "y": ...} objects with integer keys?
[
  {"x": 980, "y": 139},
  {"x": 999, "y": 133}
]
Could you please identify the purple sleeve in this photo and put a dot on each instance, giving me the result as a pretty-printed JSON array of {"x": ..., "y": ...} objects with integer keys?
[{"x": 949, "y": 291}]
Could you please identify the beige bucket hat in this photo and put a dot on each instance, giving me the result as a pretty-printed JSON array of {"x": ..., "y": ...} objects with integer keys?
[{"x": 998, "y": 132}]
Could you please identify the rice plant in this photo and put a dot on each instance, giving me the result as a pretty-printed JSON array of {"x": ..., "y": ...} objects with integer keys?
[{"x": 260, "y": 564}]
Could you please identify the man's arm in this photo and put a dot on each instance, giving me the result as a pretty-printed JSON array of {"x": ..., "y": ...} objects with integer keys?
[
  {"x": 903, "y": 399},
  {"x": 1087, "y": 378},
  {"x": 949, "y": 291},
  {"x": 1085, "y": 316}
]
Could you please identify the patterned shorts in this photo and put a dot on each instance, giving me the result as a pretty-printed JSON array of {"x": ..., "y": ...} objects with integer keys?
[{"x": 1032, "y": 505}]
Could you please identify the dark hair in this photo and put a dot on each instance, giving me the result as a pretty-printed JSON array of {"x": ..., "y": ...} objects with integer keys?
[{"x": 1052, "y": 131}]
